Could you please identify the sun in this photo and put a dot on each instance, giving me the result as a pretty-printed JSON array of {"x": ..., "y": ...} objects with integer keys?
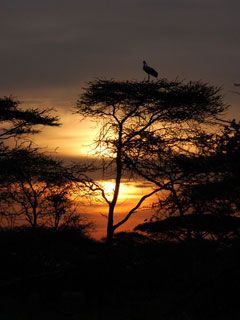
[
  {"x": 127, "y": 190},
  {"x": 108, "y": 186}
]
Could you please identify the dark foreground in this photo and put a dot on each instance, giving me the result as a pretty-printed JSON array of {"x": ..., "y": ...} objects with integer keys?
[{"x": 64, "y": 275}]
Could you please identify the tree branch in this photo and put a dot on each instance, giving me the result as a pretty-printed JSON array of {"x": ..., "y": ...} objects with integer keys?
[{"x": 131, "y": 212}]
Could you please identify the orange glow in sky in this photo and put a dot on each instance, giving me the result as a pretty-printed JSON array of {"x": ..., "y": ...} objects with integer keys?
[
  {"x": 130, "y": 193},
  {"x": 128, "y": 190}
]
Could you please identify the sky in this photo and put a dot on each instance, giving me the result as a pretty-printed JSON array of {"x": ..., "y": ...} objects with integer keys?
[{"x": 50, "y": 49}]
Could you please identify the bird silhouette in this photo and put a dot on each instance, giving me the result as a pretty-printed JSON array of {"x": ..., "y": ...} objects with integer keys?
[{"x": 150, "y": 71}]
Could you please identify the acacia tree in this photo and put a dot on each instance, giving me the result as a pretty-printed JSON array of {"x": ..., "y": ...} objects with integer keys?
[
  {"x": 131, "y": 112},
  {"x": 213, "y": 186},
  {"x": 58, "y": 208},
  {"x": 204, "y": 180},
  {"x": 38, "y": 189},
  {"x": 16, "y": 122},
  {"x": 41, "y": 191},
  {"x": 28, "y": 177},
  {"x": 208, "y": 192}
]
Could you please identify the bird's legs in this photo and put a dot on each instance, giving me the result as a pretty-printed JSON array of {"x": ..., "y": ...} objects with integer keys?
[{"x": 148, "y": 78}]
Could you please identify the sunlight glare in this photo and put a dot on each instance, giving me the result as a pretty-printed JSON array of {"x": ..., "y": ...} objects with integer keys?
[{"x": 127, "y": 190}]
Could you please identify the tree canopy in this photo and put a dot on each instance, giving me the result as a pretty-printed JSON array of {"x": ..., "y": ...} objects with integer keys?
[
  {"x": 135, "y": 114},
  {"x": 16, "y": 121}
]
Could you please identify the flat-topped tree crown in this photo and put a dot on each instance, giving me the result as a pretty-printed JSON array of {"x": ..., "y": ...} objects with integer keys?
[
  {"x": 170, "y": 100},
  {"x": 133, "y": 114},
  {"x": 21, "y": 121}
]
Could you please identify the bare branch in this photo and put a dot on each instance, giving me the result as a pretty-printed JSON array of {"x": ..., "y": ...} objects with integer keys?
[{"x": 133, "y": 210}]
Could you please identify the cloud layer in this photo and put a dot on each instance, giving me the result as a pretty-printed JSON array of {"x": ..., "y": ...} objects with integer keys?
[
  {"x": 50, "y": 48},
  {"x": 57, "y": 44}
]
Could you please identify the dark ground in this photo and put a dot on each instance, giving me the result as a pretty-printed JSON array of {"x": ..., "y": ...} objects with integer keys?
[{"x": 63, "y": 275}]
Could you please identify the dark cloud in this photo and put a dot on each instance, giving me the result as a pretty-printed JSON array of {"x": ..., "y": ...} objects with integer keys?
[{"x": 58, "y": 44}]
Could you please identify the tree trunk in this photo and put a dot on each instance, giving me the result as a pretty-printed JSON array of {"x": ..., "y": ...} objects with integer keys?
[
  {"x": 112, "y": 205},
  {"x": 110, "y": 229},
  {"x": 34, "y": 219}
]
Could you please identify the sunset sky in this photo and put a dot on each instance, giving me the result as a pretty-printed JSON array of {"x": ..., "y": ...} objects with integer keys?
[
  {"x": 150, "y": 226},
  {"x": 49, "y": 49}
]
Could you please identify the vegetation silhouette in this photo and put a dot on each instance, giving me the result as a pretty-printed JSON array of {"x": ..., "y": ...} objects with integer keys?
[
  {"x": 20, "y": 122},
  {"x": 193, "y": 226},
  {"x": 143, "y": 123},
  {"x": 35, "y": 188},
  {"x": 182, "y": 264}
]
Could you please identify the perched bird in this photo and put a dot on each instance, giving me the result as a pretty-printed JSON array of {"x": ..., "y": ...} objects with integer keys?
[{"x": 150, "y": 71}]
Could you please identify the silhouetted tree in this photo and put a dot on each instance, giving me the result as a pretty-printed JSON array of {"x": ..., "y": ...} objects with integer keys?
[
  {"x": 214, "y": 185},
  {"x": 29, "y": 178},
  {"x": 16, "y": 121},
  {"x": 192, "y": 226},
  {"x": 41, "y": 190},
  {"x": 59, "y": 208},
  {"x": 132, "y": 114},
  {"x": 208, "y": 190}
]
